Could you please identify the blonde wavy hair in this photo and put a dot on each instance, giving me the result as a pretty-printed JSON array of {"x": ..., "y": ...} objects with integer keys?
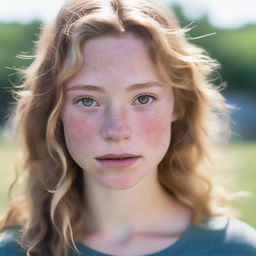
[{"x": 50, "y": 183}]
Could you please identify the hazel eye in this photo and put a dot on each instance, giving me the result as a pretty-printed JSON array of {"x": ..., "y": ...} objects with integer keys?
[
  {"x": 90, "y": 102},
  {"x": 144, "y": 99},
  {"x": 86, "y": 102}
]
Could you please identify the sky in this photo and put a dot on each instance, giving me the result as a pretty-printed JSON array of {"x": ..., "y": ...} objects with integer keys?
[{"x": 222, "y": 13}]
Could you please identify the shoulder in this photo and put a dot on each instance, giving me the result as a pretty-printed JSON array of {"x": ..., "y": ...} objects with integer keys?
[
  {"x": 9, "y": 245},
  {"x": 226, "y": 235},
  {"x": 240, "y": 234}
]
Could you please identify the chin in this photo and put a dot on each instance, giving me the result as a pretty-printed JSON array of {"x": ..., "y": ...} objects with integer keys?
[
  {"x": 118, "y": 187},
  {"x": 120, "y": 182}
]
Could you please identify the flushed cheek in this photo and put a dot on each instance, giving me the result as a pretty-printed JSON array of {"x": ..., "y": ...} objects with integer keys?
[
  {"x": 155, "y": 128},
  {"x": 78, "y": 130}
]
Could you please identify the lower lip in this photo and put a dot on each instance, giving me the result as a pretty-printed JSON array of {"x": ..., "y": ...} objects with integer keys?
[{"x": 118, "y": 163}]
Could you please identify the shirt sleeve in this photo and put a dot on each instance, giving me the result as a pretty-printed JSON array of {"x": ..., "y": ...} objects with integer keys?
[
  {"x": 240, "y": 237},
  {"x": 223, "y": 236},
  {"x": 9, "y": 245}
]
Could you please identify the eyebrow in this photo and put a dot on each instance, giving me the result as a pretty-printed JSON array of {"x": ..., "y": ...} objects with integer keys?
[{"x": 128, "y": 89}]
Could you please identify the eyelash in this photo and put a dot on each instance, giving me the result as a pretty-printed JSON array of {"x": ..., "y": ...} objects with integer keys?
[{"x": 89, "y": 97}]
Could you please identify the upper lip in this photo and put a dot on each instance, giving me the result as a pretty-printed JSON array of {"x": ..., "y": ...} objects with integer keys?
[{"x": 115, "y": 156}]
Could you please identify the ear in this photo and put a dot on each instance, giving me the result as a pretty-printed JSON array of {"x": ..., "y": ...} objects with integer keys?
[
  {"x": 178, "y": 113},
  {"x": 174, "y": 116}
]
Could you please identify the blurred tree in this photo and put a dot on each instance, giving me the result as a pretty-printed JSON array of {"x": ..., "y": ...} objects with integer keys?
[
  {"x": 233, "y": 48},
  {"x": 15, "y": 39}
]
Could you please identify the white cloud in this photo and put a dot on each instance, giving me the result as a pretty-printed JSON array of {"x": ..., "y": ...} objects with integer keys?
[
  {"x": 27, "y": 10},
  {"x": 224, "y": 13}
]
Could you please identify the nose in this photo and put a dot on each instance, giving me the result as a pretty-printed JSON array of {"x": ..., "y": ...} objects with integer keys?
[{"x": 115, "y": 125}]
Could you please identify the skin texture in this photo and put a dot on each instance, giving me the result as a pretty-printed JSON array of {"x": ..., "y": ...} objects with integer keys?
[{"x": 116, "y": 121}]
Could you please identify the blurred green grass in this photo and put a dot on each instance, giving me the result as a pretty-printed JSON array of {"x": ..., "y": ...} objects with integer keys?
[
  {"x": 242, "y": 159},
  {"x": 239, "y": 157},
  {"x": 8, "y": 154}
]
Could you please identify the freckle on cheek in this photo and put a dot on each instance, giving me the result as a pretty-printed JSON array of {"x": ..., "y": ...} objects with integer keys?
[
  {"x": 81, "y": 129},
  {"x": 152, "y": 130},
  {"x": 152, "y": 127}
]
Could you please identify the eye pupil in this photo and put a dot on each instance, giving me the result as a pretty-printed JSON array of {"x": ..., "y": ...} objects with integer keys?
[
  {"x": 143, "y": 99},
  {"x": 87, "y": 101}
]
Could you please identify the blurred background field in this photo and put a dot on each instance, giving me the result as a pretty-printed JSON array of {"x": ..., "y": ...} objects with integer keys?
[{"x": 233, "y": 45}]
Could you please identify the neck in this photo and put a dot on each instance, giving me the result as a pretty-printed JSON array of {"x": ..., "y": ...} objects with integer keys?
[{"x": 137, "y": 209}]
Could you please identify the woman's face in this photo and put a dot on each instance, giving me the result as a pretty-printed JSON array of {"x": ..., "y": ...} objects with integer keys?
[{"x": 117, "y": 104}]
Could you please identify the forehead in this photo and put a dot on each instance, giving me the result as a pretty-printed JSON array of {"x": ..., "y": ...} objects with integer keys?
[
  {"x": 115, "y": 50},
  {"x": 115, "y": 43},
  {"x": 116, "y": 59}
]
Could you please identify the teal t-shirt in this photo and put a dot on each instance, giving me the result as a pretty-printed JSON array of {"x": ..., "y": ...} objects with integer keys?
[{"x": 223, "y": 237}]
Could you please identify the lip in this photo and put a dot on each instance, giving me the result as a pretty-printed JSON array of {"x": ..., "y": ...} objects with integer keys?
[
  {"x": 114, "y": 163},
  {"x": 115, "y": 156}
]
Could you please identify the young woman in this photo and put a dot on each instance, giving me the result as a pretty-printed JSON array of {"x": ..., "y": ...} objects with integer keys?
[{"x": 117, "y": 118}]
